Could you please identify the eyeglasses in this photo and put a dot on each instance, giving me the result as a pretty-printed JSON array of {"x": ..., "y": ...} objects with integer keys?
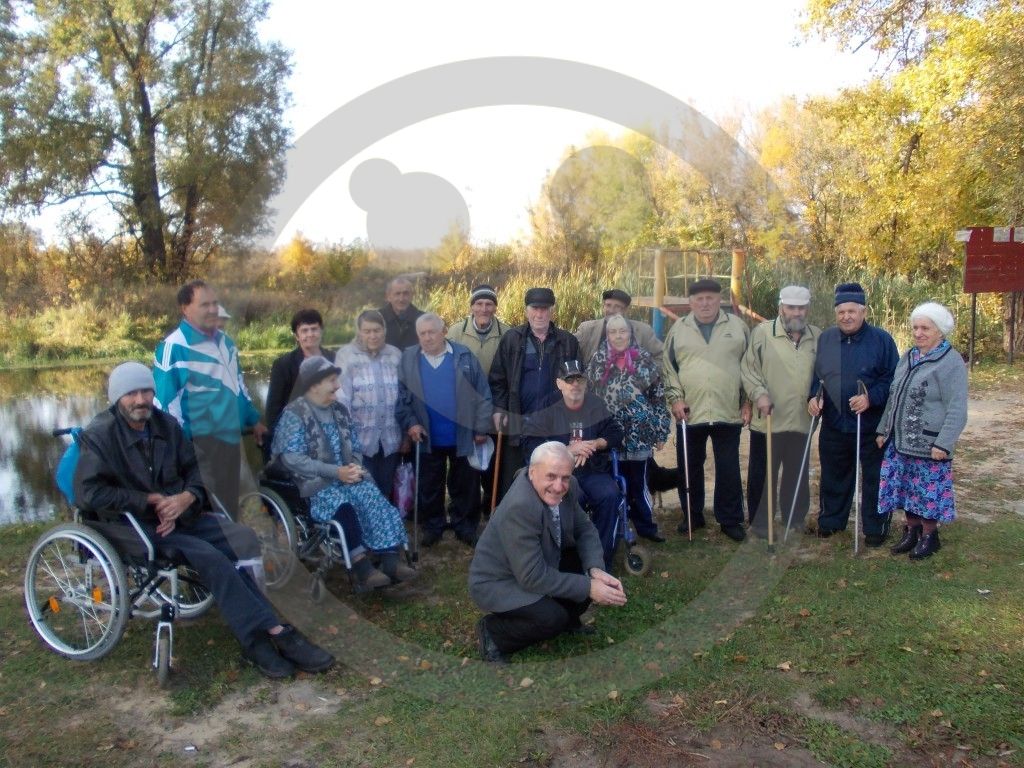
[{"x": 573, "y": 379}]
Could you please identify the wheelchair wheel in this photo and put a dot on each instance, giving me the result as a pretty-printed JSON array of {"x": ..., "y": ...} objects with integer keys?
[
  {"x": 318, "y": 590},
  {"x": 194, "y": 599},
  {"x": 163, "y": 661},
  {"x": 637, "y": 561},
  {"x": 76, "y": 592},
  {"x": 267, "y": 513}
]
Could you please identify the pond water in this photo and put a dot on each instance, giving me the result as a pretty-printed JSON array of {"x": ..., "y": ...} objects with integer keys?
[{"x": 35, "y": 402}]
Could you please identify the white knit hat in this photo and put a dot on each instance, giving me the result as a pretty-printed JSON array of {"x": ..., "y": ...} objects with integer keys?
[
  {"x": 937, "y": 313},
  {"x": 128, "y": 377}
]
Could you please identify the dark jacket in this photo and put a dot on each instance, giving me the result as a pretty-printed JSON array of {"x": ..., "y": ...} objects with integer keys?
[
  {"x": 927, "y": 404},
  {"x": 283, "y": 375},
  {"x": 869, "y": 355},
  {"x": 507, "y": 369},
  {"x": 400, "y": 331},
  {"x": 553, "y": 422},
  {"x": 113, "y": 475},
  {"x": 516, "y": 559},
  {"x": 472, "y": 397}
]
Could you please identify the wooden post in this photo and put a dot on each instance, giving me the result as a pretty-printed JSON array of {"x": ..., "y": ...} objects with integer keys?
[
  {"x": 660, "y": 287},
  {"x": 739, "y": 265},
  {"x": 974, "y": 328}
]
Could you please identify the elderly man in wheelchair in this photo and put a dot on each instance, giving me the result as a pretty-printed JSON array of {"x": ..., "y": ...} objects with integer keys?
[{"x": 135, "y": 459}]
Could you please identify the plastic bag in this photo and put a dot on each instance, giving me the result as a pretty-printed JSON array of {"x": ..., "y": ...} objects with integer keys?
[
  {"x": 65, "y": 475},
  {"x": 404, "y": 487}
]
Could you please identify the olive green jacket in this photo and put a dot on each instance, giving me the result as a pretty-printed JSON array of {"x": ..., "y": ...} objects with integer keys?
[
  {"x": 483, "y": 349},
  {"x": 775, "y": 366},
  {"x": 706, "y": 374}
]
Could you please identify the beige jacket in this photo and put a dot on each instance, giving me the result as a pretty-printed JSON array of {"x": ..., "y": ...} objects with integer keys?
[
  {"x": 463, "y": 332},
  {"x": 706, "y": 375},
  {"x": 775, "y": 366},
  {"x": 590, "y": 331}
]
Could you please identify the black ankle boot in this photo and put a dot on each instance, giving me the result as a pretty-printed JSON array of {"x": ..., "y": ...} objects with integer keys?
[
  {"x": 911, "y": 535},
  {"x": 927, "y": 546}
]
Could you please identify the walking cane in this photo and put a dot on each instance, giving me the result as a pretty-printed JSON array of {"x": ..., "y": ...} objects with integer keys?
[
  {"x": 803, "y": 461},
  {"x": 771, "y": 482},
  {"x": 686, "y": 477},
  {"x": 497, "y": 473},
  {"x": 861, "y": 390},
  {"x": 416, "y": 508}
]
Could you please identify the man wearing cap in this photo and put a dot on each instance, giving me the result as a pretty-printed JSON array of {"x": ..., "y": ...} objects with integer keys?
[
  {"x": 444, "y": 405},
  {"x": 135, "y": 458},
  {"x": 222, "y": 317},
  {"x": 399, "y": 313},
  {"x": 580, "y": 420},
  {"x": 777, "y": 370},
  {"x": 481, "y": 332},
  {"x": 523, "y": 373},
  {"x": 701, "y": 368},
  {"x": 591, "y": 333},
  {"x": 852, "y": 350},
  {"x": 199, "y": 382},
  {"x": 537, "y": 567}
]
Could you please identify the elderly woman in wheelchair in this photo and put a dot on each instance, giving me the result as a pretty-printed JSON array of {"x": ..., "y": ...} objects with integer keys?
[
  {"x": 317, "y": 444},
  {"x": 138, "y": 483}
]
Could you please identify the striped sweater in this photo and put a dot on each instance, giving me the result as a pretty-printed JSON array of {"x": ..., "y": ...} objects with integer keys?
[{"x": 199, "y": 382}]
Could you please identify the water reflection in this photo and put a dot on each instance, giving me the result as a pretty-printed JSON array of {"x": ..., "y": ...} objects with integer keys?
[{"x": 32, "y": 405}]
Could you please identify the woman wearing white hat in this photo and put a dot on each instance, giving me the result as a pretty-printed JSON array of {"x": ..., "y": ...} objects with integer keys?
[{"x": 925, "y": 413}]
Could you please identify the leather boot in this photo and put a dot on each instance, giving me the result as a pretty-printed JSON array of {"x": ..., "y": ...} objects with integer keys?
[
  {"x": 911, "y": 535},
  {"x": 927, "y": 546}
]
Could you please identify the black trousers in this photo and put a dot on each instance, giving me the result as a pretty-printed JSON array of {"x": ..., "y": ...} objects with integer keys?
[
  {"x": 222, "y": 553},
  {"x": 441, "y": 468},
  {"x": 787, "y": 452},
  {"x": 725, "y": 441},
  {"x": 382, "y": 469},
  {"x": 219, "y": 466},
  {"x": 541, "y": 620},
  {"x": 838, "y": 452}
]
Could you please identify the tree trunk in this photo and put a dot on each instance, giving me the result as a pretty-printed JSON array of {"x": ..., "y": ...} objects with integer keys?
[{"x": 1018, "y": 331}]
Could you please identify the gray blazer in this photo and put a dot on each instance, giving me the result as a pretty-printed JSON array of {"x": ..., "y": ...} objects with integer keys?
[
  {"x": 927, "y": 405},
  {"x": 516, "y": 559}
]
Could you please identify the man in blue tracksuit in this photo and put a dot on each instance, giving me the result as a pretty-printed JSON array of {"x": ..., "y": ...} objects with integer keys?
[{"x": 851, "y": 351}]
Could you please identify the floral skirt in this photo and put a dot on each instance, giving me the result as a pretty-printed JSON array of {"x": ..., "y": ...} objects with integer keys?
[
  {"x": 923, "y": 487},
  {"x": 379, "y": 520}
]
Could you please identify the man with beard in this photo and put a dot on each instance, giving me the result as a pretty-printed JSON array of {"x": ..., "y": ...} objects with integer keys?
[
  {"x": 777, "y": 369},
  {"x": 137, "y": 459}
]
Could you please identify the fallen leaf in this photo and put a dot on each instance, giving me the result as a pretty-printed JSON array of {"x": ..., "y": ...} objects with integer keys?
[
  {"x": 375, "y": 681},
  {"x": 784, "y": 666},
  {"x": 526, "y": 682},
  {"x": 425, "y": 664},
  {"x": 657, "y": 606},
  {"x": 984, "y": 591},
  {"x": 664, "y": 574},
  {"x": 740, "y": 658},
  {"x": 332, "y": 629},
  {"x": 721, "y": 702},
  {"x": 698, "y": 654},
  {"x": 805, "y": 612},
  {"x": 983, "y": 673},
  {"x": 716, "y": 744},
  {"x": 381, "y": 720},
  {"x": 906, "y": 648},
  {"x": 403, "y": 658},
  {"x": 301, "y": 706},
  {"x": 841, "y": 583},
  {"x": 652, "y": 666},
  {"x": 659, "y": 646},
  {"x": 613, "y": 695},
  {"x": 936, "y": 713},
  {"x": 779, "y": 745}
]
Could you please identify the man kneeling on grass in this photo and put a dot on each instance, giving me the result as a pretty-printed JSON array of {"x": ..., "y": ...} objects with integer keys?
[
  {"x": 538, "y": 564},
  {"x": 135, "y": 458}
]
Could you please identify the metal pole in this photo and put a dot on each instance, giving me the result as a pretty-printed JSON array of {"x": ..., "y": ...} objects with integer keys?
[
  {"x": 974, "y": 328},
  {"x": 1013, "y": 325}
]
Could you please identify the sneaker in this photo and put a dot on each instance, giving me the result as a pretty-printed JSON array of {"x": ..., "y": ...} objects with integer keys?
[
  {"x": 299, "y": 651},
  {"x": 734, "y": 532},
  {"x": 262, "y": 654},
  {"x": 489, "y": 650}
]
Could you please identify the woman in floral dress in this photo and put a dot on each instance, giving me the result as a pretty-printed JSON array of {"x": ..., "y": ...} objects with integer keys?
[{"x": 923, "y": 418}]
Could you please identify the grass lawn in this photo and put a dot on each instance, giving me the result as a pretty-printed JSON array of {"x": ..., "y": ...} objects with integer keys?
[{"x": 723, "y": 656}]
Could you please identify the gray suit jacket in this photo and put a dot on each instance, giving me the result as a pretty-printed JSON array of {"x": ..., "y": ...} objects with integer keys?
[{"x": 516, "y": 559}]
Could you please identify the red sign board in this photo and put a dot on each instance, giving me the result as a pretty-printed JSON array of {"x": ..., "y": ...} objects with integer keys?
[{"x": 995, "y": 260}]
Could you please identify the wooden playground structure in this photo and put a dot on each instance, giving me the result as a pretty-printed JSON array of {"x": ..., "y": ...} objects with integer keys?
[{"x": 670, "y": 289}]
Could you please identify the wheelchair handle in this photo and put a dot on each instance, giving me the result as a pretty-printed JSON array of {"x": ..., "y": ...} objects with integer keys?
[{"x": 63, "y": 431}]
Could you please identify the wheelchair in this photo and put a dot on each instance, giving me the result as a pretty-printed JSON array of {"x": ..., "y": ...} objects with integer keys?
[{"x": 321, "y": 544}]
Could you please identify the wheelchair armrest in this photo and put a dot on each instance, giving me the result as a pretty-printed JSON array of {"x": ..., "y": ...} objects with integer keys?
[{"x": 117, "y": 517}]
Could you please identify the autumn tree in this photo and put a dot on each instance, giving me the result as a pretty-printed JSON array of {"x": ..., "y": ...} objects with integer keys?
[{"x": 167, "y": 111}]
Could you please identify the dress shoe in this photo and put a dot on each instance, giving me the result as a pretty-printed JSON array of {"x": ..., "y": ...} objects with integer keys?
[
  {"x": 911, "y": 535},
  {"x": 375, "y": 579},
  {"x": 293, "y": 646},
  {"x": 824, "y": 533},
  {"x": 927, "y": 546},
  {"x": 734, "y": 532},
  {"x": 403, "y": 573},
  {"x": 469, "y": 538},
  {"x": 697, "y": 523},
  {"x": 262, "y": 654},
  {"x": 489, "y": 650},
  {"x": 874, "y": 540},
  {"x": 582, "y": 629},
  {"x": 656, "y": 537}
]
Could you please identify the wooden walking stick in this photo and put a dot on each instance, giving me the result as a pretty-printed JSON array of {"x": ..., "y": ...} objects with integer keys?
[
  {"x": 858, "y": 480},
  {"x": 497, "y": 472},
  {"x": 770, "y": 472}
]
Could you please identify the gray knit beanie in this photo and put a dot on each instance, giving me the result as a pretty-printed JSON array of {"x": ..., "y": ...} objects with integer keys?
[{"x": 128, "y": 377}]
